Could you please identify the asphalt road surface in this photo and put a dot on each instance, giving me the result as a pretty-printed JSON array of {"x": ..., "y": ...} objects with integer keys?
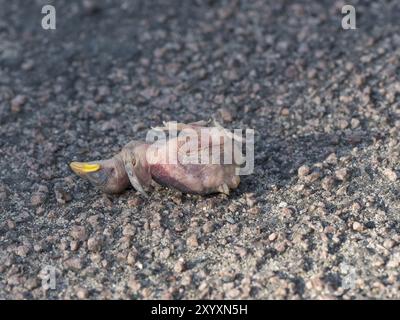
[{"x": 318, "y": 218}]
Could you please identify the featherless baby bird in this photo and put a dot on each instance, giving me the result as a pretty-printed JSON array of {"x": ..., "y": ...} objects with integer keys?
[{"x": 193, "y": 158}]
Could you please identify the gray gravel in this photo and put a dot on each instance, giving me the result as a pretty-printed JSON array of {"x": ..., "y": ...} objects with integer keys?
[{"x": 319, "y": 218}]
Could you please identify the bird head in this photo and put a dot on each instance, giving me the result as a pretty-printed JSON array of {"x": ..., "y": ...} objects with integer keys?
[
  {"x": 114, "y": 175},
  {"x": 107, "y": 175}
]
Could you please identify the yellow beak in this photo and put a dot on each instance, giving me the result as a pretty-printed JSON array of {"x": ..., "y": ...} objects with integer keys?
[{"x": 84, "y": 167}]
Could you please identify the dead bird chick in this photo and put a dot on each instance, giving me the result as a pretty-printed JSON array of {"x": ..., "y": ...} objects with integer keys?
[{"x": 194, "y": 159}]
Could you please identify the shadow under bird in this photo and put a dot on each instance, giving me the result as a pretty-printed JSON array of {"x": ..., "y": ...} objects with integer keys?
[{"x": 140, "y": 163}]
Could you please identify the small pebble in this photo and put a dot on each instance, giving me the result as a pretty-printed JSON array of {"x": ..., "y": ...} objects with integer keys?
[
  {"x": 192, "y": 241},
  {"x": 303, "y": 171},
  {"x": 62, "y": 196},
  {"x": 357, "y": 226},
  {"x": 343, "y": 124},
  {"x": 32, "y": 283},
  {"x": 164, "y": 254},
  {"x": 327, "y": 183},
  {"x": 180, "y": 266},
  {"x": 82, "y": 293},
  {"x": 78, "y": 233},
  {"x": 287, "y": 211},
  {"x": 73, "y": 263},
  {"x": 131, "y": 258},
  {"x": 341, "y": 174},
  {"x": 233, "y": 293},
  {"x": 94, "y": 244},
  {"x": 331, "y": 159},
  {"x": 250, "y": 199},
  {"x": 129, "y": 230},
  {"x": 272, "y": 236},
  {"x": 38, "y": 198},
  {"x": 280, "y": 247},
  {"x": 390, "y": 174},
  {"x": 312, "y": 177},
  {"x": 17, "y": 103},
  {"x": 74, "y": 245},
  {"x": 226, "y": 115},
  {"x": 388, "y": 244},
  {"x": 22, "y": 251},
  {"x": 209, "y": 227},
  {"x": 28, "y": 65},
  {"x": 355, "y": 123},
  {"x": 134, "y": 285},
  {"x": 355, "y": 207},
  {"x": 285, "y": 112},
  {"x": 134, "y": 202}
]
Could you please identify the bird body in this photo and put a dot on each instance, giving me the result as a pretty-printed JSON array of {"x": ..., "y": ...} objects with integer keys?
[{"x": 198, "y": 160}]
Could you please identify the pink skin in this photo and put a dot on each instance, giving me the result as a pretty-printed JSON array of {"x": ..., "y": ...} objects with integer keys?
[{"x": 136, "y": 166}]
